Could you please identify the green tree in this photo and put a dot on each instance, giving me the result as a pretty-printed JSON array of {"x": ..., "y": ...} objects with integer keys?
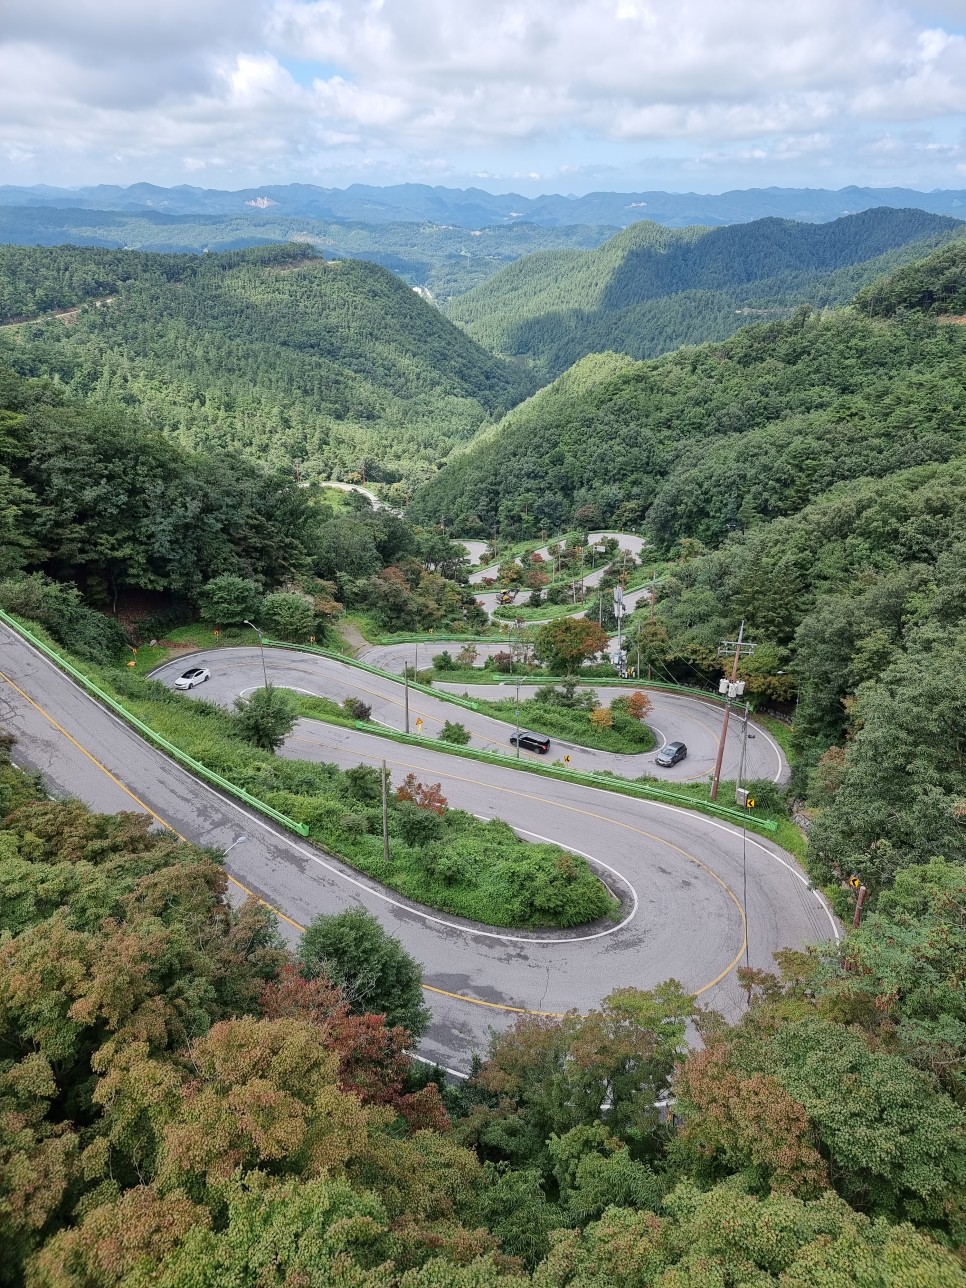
[
  {"x": 228, "y": 600},
  {"x": 267, "y": 717},
  {"x": 289, "y": 615},
  {"x": 371, "y": 966}
]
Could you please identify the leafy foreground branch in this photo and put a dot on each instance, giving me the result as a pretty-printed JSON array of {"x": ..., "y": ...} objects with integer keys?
[{"x": 181, "y": 1106}]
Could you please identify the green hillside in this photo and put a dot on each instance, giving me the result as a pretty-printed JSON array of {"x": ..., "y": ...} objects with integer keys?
[
  {"x": 713, "y": 439},
  {"x": 651, "y": 289},
  {"x": 275, "y": 351}
]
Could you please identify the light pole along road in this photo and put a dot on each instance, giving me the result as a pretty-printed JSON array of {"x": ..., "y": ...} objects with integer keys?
[{"x": 679, "y": 873}]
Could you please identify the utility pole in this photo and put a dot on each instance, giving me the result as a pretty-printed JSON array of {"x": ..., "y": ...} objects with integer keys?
[
  {"x": 385, "y": 817},
  {"x": 732, "y": 689},
  {"x": 406, "y": 687}
]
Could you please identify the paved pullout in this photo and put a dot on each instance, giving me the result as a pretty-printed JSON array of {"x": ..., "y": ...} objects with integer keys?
[{"x": 682, "y": 872}]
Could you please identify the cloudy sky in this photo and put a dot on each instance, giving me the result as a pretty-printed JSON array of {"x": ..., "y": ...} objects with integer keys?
[{"x": 509, "y": 95}]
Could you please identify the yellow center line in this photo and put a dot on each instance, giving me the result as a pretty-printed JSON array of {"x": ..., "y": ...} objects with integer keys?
[
  {"x": 474, "y": 1001},
  {"x": 587, "y": 813}
]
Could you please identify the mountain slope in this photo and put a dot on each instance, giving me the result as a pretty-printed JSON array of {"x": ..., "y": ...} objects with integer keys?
[
  {"x": 276, "y": 351},
  {"x": 725, "y": 436},
  {"x": 650, "y": 289}
]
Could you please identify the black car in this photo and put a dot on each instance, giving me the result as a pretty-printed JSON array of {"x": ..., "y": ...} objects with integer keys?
[
  {"x": 671, "y": 754},
  {"x": 531, "y": 742}
]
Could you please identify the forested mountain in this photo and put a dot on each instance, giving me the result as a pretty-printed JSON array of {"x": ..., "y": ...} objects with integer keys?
[
  {"x": 446, "y": 259},
  {"x": 99, "y": 512},
  {"x": 474, "y": 208},
  {"x": 276, "y": 352},
  {"x": 650, "y": 289},
  {"x": 723, "y": 436}
]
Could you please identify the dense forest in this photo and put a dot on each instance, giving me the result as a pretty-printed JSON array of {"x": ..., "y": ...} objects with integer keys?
[
  {"x": 185, "y": 1103},
  {"x": 651, "y": 289},
  {"x": 443, "y": 259},
  {"x": 713, "y": 439},
  {"x": 276, "y": 352},
  {"x": 104, "y": 521}
]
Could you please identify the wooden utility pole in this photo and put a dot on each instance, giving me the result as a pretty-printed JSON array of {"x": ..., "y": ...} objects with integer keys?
[{"x": 732, "y": 688}]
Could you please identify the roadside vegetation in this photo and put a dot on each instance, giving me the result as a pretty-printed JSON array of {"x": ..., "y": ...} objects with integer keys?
[
  {"x": 444, "y": 858},
  {"x": 184, "y": 1099},
  {"x": 576, "y": 715}
]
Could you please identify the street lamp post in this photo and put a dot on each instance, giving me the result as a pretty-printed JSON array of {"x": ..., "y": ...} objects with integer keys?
[
  {"x": 261, "y": 645},
  {"x": 518, "y": 623}
]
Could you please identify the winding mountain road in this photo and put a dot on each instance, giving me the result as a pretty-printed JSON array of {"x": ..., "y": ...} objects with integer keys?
[{"x": 680, "y": 874}]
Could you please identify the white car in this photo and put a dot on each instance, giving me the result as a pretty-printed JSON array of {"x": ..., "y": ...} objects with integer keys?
[{"x": 196, "y": 675}]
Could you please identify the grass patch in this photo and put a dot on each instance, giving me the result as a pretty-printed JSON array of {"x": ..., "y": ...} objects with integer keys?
[
  {"x": 549, "y": 612},
  {"x": 189, "y": 639},
  {"x": 630, "y": 737},
  {"x": 781, "y": 732},
  {"x": 450, "y": 861}
]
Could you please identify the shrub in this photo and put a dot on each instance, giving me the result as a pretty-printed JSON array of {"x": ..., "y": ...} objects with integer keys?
[
  {"x": 456, "y": 734},
  {"x": 229, "y": 600},
  {"x": 289, "y": 615},
  {"x": 443, "y": 662},
  {"x": 364, "y": 784},
  {"x": 357, "y": 709},
  {"x": 266, "y": 718},
  {"x": 602, "y": 717},
  {"x": 418, "y": 827}
]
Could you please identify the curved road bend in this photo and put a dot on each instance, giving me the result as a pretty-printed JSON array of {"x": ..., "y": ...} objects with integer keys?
[
  {"x": 685, "y": 870},
  {"x": 235, "y": 672}
]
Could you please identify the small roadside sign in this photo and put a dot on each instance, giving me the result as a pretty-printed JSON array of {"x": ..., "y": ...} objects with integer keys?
[
  {"x": 419, "y": 725},
  {"x": 567, "y": 759},
  {"x": 855, "y": 882}
]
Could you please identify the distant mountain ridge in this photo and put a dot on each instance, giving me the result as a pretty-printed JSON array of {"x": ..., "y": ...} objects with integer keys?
[
  {"x": 474, "y": 208},
  {"x": 652, "y": 288}
]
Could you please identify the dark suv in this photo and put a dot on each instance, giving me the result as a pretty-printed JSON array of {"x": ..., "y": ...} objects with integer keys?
[
  {"x": 531, "y": 742},
  {"x": 672, "y": 754}
]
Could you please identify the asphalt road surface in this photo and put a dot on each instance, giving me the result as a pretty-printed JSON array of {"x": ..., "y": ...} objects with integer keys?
[
  {"x": 680, "y": 874},
  {"x": 236, "y": 672}
]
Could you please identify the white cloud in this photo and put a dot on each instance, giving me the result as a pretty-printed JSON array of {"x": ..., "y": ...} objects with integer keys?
[{"x": 509, "y": 87}]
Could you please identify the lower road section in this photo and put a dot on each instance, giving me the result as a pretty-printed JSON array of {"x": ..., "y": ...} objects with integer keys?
[{"x": 692, "y": 886}]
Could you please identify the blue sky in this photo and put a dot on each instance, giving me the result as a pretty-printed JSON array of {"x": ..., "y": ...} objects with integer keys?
[{"x": 523, "y": 95}]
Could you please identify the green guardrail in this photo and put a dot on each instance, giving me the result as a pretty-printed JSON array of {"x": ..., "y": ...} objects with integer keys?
[
  {"x": 146, "y": 731},
  {"x": 467, "y": 703},
  {"x": 623, "y": 786}
]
